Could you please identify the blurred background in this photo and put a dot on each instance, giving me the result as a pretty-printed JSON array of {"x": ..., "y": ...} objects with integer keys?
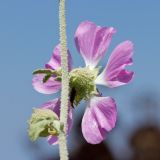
[{"x": 28, "y": 34}]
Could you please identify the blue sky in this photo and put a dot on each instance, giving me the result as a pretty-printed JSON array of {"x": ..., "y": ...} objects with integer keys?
[{"x": 29, "y": 32}]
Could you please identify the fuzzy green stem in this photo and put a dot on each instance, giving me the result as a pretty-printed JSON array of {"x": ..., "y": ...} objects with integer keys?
[{"x": 65, "y": 81}]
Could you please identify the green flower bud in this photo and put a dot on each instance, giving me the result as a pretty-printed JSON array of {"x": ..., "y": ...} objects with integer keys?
[{"x": 43, "y": 122}]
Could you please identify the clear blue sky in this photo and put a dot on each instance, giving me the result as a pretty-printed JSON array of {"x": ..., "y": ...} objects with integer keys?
[{"x": 28, "y": 33}]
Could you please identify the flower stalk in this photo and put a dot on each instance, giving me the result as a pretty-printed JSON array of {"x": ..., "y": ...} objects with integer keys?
[{"x": 65, "y": 81}]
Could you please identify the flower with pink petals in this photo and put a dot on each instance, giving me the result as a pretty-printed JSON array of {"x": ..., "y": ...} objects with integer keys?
[{"x": 92, "y": 42}]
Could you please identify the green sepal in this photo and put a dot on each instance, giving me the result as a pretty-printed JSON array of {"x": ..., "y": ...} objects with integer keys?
[
  {"x": 82, "y": 81},
  {"x": 43, "y": 71},
  {"x": 46, "y": 78},
  {"x": 49, "y": 73},
  {"x": 58, "y": 78}
]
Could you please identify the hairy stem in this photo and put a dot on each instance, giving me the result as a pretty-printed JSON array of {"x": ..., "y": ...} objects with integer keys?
[{"x": 65, "y": 81}]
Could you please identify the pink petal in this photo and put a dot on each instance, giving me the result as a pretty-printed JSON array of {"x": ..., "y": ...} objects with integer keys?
[
  {"x": 114, "y": 73},
  {"x": 105, "y": 111},
  {"x": 49, "y": 87},
  {"x": 52, "y": 140},
  {"x": 55, "y": 61},
  {"x": 99, "y": 118},
  {"x": 90, "y": 129},
  {"x": 54, "y": 105},
  {"x": 93, "y": 41}
]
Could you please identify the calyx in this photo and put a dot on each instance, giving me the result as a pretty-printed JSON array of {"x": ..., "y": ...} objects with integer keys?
[{"x": 82, "y": 82}]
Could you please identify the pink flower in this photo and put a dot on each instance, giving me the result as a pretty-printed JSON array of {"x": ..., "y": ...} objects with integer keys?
[{"x": 92, "y": 43}]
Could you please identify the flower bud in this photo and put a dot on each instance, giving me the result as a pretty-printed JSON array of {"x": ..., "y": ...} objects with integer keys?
[{"x": 43, "y": 122}]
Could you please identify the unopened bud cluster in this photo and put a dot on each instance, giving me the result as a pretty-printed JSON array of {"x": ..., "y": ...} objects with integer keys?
[{"x": 43, "y": 122}]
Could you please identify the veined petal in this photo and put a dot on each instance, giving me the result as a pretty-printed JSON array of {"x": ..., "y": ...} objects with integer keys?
[
  {"x": 49, "y": 87},
  {"x": 54, "y": 105},
  {"x": 90, "y": 128},
  {"x": 99, "y": 118},
  {"x": 55, "y": 61},
  {"x": 105, "y": 111},
  {"x": 92, "y": 41},
  {"x": 114, "y": 74}
]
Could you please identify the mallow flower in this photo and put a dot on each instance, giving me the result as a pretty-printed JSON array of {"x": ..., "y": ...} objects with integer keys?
[{"x": 92, "y": 42}]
